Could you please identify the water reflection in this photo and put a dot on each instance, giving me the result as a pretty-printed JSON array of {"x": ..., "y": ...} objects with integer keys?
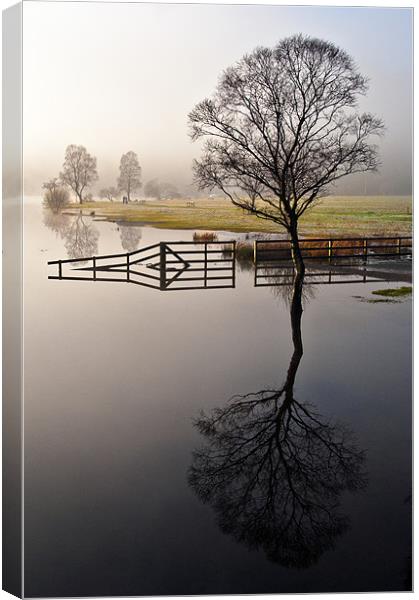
[
  {"x": 276, "y": 274},
  {"x": 79, "y": 234},
  {"x": 81, "y": 238},
  {"x": 57, "y": 222},
  {"x": 407, "y": 568},
  {"x": 274, "y": 470},
  {"x": 130, "y": 237}
]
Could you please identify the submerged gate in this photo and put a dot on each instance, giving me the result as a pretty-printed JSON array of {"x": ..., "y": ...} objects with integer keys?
[
  {"x": 166, "y": 266},
  {"x": 192, "y": 265}
]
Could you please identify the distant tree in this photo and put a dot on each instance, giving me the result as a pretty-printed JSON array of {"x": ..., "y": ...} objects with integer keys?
[
  {"x": 56, "y": 197},
  {"x": 169, "y": 190},
  {"x": 282, "y": 127},
  {"x": 152, "y": 189},
  {"x": 110, "y": 193},
  {"x": 129, "y": 179},
  {"x": 79, "y": 170}
]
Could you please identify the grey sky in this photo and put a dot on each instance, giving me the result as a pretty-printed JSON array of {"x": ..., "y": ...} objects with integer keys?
[{"x": 119, "y": 77}]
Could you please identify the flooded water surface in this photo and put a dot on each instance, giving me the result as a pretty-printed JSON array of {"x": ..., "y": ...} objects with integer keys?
[{"x": 211, "y": 440}]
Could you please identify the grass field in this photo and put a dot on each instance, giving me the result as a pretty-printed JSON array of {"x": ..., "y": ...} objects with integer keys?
[{"x": 335, "y": 215}]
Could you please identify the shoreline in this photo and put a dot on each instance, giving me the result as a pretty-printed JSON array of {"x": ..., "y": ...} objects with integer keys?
[{"x": 339, "y": 216}]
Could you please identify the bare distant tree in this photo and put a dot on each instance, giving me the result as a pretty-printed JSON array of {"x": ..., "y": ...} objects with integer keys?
[
  {"x": 110, "y": 193},
  {"x": 56, "y": 197},
  {"x": 79, "y": 170},
  {"x": 152, "y": 189},
  {"x": 130, "y": 174},
  {"x": 282, "y": 127},
  {"x": 169, "y": 190}
]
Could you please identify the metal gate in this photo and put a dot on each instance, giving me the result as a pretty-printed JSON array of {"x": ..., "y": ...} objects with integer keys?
[{"x": 165, "y": 266}]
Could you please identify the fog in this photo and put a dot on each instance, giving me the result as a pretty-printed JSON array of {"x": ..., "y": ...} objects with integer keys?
[{"x": 119, "y": 77}]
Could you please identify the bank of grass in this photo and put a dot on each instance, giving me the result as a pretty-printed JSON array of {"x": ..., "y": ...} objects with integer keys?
[
  {"x": 400, "y": 292},
  {"x": 334, "y": 216}
]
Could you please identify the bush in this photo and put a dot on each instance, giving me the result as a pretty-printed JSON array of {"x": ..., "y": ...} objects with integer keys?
[
  {"x": 205, "y": 236},
  {"x": 56, "y": 197}
]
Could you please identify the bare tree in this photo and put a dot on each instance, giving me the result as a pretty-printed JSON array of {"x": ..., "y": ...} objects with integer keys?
[
  {"x": 79, "y": 170},
  {"x": 110, "y": 193},
  {"x": 130, "y": 174},
  {"x": 169, "y": 191},
  {"x": 56, "y": 197},
  {"x": 282, "y": 127}
]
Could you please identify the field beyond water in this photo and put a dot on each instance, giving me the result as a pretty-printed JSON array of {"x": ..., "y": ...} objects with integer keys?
[{"x": 334, "y": 215}]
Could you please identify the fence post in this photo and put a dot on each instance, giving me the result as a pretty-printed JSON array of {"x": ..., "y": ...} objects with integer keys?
[
  {"x": 162, "y": 265},
  {"x": 60, "y": 269},
  {"x": 234, "y": 265},
  {"x": 205, "y": 262},
  {"x": 127, "y": 266},
  {"x": 255, "y": 251},
  {"x": 365, "y": 248},
  {"x": 329, "y": 245},
  {"x": 94, "y": 267}
]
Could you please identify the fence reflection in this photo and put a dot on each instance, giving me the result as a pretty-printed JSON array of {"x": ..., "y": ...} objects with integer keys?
[{"x": 178, "y": 265}]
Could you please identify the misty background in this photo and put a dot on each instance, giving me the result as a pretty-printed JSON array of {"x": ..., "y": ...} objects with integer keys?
[{"x": 120, "y": 77}]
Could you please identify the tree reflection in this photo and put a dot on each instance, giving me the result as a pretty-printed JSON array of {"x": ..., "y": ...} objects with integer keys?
[
  {"x": 81, "y": 238},
  {"x": 130, "y": 237},
  {"x": 273, "y": 469},
  {"x": 281, "y": 282},
  {"x": 58, "y": 222}
]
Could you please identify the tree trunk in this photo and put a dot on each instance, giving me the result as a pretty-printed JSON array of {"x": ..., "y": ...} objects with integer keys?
[
  {"x": 80, "y": 197},
  {"x": 295, "y": 249}
]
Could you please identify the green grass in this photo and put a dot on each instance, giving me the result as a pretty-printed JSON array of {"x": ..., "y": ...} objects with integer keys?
[
  {"x": 400, "y": 292},
  {"x": 381, "y": 301},
  {"x": 337, "y": 216}
]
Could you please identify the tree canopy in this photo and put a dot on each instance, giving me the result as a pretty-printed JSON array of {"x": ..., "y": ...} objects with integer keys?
[
  {"x": 129, "y": 179},
  {"x": 282, "y": 127},
  {"x": 110, "y": 193},
  {"x": 79, "y": 170}
]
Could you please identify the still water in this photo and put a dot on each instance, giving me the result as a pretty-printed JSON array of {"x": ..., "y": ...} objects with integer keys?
[{"x": 183, "y": 444}]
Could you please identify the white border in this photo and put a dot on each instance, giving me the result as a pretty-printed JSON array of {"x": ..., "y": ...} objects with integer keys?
[{"x": 383, "y": 3}]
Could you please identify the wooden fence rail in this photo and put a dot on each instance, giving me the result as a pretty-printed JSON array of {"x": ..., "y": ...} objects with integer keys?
[{"x": 334, "y": 248}]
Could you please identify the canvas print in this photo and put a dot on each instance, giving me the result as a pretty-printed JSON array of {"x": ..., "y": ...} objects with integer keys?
[{"x": 217, "y": 299}]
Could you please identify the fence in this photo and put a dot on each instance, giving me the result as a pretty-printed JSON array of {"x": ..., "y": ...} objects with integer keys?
[
  {"x": 182, "y": 265},
  {"x": 165, "y": 266},
  {"x": 330, "y": 249}
]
